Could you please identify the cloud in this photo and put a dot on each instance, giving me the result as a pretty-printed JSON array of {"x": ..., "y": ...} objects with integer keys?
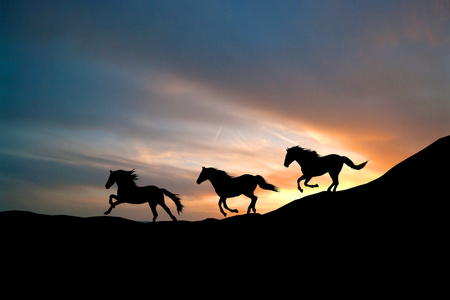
[{"x": 148, "y": 85}]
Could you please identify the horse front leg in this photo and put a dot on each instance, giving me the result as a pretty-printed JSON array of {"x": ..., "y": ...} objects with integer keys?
[
  {"x": 220, "y": 206},
  {"x": 309, "y": 185},
  {"x": 227, "y": 208},
  {"x": 298, "y": 183},
  {"x": 113, "y": 205},
  {"x": 112, "y": 197}
]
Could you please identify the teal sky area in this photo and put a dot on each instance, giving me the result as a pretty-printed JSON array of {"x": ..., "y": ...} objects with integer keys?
[{"x": 167, "y": 87}]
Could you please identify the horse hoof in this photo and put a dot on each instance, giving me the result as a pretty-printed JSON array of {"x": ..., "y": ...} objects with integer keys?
[{"x": 235, "y": 211}]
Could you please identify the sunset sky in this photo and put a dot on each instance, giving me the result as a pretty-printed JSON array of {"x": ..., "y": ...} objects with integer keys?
[{"x": 167, "y": 87}]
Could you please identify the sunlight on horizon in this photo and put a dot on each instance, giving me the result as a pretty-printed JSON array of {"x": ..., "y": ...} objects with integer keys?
[
  {"x": 226, "y": 84},
  {"x": 201, "y": 202},
  {"x": 177, "y": 169}
]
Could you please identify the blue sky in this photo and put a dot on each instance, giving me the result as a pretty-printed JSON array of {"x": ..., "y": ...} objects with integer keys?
[{"x": 169, "y": 86}]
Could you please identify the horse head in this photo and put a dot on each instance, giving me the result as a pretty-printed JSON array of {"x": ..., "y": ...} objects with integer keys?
[
  {"x": 121, "y": 177},
  {"x": 300, "y": 155},
  {"x": 203, "y": 175},
  {"x": 290, "y": 156},
  {"x": 111, "y": 180}
]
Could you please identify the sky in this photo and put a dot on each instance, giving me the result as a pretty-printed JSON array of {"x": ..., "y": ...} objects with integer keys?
[{"x": 167, "y": 87}]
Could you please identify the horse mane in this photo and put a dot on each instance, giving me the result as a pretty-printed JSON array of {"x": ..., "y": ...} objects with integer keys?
[
  {"x": 221, "y": 173},
  {"x": 305, "y": 151},
  {"x": 127, "y": 175}
]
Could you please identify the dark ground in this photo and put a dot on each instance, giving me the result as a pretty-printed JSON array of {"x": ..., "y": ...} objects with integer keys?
[{"x": 391, "y": 229}]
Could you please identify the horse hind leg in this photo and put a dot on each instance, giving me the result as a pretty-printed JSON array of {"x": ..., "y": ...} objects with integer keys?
[
  {"x": 252, "y": 205},
  {"x": 335, "y": 183},
  {"x": 154, "y": 212},
  {"x": 167, "y": 209}
]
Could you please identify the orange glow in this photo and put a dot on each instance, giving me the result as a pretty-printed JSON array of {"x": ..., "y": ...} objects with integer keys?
[{"x": 368, "y": 81}]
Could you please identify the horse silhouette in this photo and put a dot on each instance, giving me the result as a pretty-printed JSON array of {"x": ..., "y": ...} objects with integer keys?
[
  {"x": 313, "y": 165},
  {"x": 228, "y": 187},
  {"x": 128, "y": 192}
]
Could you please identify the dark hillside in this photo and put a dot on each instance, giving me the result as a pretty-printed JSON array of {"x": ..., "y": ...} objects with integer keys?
[
  {"x": 412, "y": 191},
  {"x": 403, "y": 209}
]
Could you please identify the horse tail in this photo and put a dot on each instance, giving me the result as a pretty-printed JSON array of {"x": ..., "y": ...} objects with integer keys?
[
  {"x": 349, "y": 163},
  {"x": 175, "y": 199},
  {"x": 264, "y": 185}
]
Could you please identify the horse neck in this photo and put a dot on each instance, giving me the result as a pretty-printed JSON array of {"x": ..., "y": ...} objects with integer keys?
[
  {"x": 305, "y": 161},
  {"x": 125, "y": 184},
  {"x": 218, "y": 181}
]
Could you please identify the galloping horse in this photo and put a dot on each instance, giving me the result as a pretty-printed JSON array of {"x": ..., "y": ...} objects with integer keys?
[
  {"x": 313, "y": 165},
  {"x": 228, "y": 187},
  {"x": 128, "y": 192}
]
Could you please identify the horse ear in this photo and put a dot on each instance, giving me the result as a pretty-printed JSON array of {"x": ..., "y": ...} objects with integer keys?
[{"x": 110, "y": 171}]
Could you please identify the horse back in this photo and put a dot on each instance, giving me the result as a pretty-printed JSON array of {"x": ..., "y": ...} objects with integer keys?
[
  {"x": 150, "y": 190},
  {"x": 322, "y": 165},
  {"x": 241, "y": 184},
  {"x": 242, "y": 180},
  {"x": 142, "y": 194}
]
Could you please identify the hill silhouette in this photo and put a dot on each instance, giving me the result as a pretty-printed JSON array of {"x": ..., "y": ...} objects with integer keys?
[
  {"x": 412, "y": 191},
  {"x": 403, "y": 210},
  {"x": 389, "y": 229}
]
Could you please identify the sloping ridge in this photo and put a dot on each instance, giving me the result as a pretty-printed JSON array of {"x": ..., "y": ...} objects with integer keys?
[{"x": 413, "y": 189}]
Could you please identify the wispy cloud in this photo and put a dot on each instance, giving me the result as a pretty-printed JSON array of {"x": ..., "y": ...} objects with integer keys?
[
  {"x": 282, "y": 137},
  {"x": 217, "y": 134},
  {"x": 167, "y": 87}
]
